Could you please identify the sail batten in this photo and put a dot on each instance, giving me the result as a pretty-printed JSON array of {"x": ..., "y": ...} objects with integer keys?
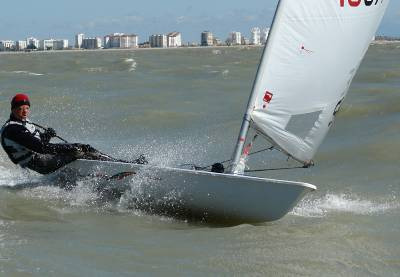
[{"x": 307, "y": 67}]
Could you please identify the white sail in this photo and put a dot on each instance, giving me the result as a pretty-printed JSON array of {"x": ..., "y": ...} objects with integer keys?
[{"x": 313, "y": 52}]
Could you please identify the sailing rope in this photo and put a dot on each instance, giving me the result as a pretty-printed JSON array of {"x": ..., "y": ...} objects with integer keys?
[{"x": 209, "y": 166}]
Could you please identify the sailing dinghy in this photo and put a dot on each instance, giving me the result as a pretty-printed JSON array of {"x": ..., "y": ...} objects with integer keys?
[{"x": 310, "y": 59}]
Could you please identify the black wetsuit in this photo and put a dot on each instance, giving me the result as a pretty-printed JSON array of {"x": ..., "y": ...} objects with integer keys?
[{"x": 29, "y": 148}]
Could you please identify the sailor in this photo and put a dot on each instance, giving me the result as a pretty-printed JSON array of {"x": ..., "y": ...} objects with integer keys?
[{"x": 29, "y": 148}]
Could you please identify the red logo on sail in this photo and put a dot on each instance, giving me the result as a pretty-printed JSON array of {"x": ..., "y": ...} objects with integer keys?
[
  {"x": 356, "y": 3},
  {"x": 268, "y": 97}
]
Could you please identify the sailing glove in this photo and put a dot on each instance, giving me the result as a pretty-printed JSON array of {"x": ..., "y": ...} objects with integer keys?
[{"x": 50, "y": 132}]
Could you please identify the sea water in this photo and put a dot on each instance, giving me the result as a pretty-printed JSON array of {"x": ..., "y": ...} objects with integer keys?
[{"x": 184, "y": 106}]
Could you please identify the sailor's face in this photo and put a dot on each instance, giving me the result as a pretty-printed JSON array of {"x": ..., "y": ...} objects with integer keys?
[{"x": 21, "y": 112}]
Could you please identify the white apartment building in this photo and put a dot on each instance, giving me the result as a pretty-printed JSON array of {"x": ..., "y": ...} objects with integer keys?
[
  {"x": 32, "y": 43},
  {"x": 129, "y": 41},
  {"x": 255, "y": 36},
  {"x": 21, "y": 45},
  {"x": 236, "y": 38},
  {"x": 264, "y": 35},
  {"x": 174, "y": 39},
  {"x": 91, "y": 43},
  {"x": 158, "y": 41},
  {"x": 46, "y": 44},
  {"x": 79, "y": 40},
  {"x": 61, "y": 44},
  {"x": 120, "y": 40},
  {"x": 7, "y": 45},
  {"x": 53, "y": 44},
  {"x": 207, "y": 38}
]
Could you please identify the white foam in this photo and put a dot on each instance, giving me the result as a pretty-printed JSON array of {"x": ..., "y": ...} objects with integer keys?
[
  {"x": 133, "y": 64},
  {"x": 225, "y": 73},
  {"x": 24, "y": 72},
  {"x": 342, "y": 203},
  {"x": 11, "y": 176}
]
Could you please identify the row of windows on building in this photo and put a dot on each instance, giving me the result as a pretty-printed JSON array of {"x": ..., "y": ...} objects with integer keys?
[
  {"x": 116, "y": 40},
  {"x": 120, "y": 40},
  {"x": 258, "y": 37},
  {"x": 33, "y": 44}
]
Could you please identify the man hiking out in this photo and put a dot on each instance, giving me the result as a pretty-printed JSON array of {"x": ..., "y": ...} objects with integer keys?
[{"x": 30, "y": 148}]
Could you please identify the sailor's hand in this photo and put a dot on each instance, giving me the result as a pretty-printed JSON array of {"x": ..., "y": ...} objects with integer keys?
[
  {"x": 85, "y": 148},
  {"x": 77, "y": 152},
  {"x": 50, "y": 132}
]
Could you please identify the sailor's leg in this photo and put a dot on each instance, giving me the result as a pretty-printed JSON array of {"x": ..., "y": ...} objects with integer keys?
[{"x": 45, "y": 164}]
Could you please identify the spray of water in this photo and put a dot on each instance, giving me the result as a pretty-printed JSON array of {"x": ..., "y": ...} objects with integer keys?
[{"x": 344, "y": 203}]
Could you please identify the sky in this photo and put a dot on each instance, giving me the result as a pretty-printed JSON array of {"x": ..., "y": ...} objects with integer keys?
[{"x": 63, "y": 19}]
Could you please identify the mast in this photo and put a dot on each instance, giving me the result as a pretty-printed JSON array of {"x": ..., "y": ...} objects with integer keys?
[{"x": 247, "y": 117}]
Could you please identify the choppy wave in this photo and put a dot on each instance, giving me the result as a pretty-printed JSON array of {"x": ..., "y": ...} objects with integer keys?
[
  {"x": 343, "y": 203},
  {"x": 133, "y": 64},
  {"x": 23, "y": 72}
]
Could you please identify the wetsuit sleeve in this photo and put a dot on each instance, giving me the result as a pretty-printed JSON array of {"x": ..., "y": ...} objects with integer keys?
[{"x": 22, "y": 136}]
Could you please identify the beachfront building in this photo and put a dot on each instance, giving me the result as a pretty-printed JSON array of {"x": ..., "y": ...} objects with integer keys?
[
  {"x": 236, "y": 38},
  {"x": 158, "y": 41},
  {"x": 7, "y": 45},
  {"x": 46, "y": 44},
  {"x": 217, "y": 41},
  {"x": 120, "y": 40},
  {"x": 174, "y": 39},
  {"x": 61, "y": 44},
  {"x": 20, "y": 45},
  {"x": 129, "y": 41},
  {"x": 264, "y": 35},
  {"x": 32, "y": 43},
  {"x": 53, "y": 44},
  {"x": 255, "y": 36},
  {"x": 245, "y": 41},
  {"x": 91, "y": 43},
  {"x": 207, "y": 38},
  {"x": 79, "y": 40}
]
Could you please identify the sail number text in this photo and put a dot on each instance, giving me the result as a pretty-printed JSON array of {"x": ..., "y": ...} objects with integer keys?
[{"x": 356, "y": 3}]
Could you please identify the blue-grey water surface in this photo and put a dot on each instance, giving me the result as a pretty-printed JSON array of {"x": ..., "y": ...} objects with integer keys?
[{"x": 182, "y": 106}]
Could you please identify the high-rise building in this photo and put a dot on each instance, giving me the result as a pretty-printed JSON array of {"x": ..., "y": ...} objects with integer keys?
[
  {"x": 21, "y": 45},
  {"x": 158, "y": 41},
  {"x": 79, "y": 40},
  {"x": 174, "y": 39},
  {"x": 32, "y": 43},
  {"x": 7, "y": 45},
  {"x": 53, "y": 44},
  {"x": 255, "y": 36},
  {"x": 120, "y": 40},
  {"x": 264, "y": 35},
  {"x": 236, "y": 38},
  {"x": 91, "y": 43},
  {"x": 207, "y": 39}
]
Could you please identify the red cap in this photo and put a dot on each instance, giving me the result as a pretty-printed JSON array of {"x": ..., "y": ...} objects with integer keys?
[{"x": 20, "y": 99}]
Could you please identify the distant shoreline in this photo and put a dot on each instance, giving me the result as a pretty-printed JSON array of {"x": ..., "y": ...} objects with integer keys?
[
  {"x": 383, "y": 42},
  {"x": 376, "y": 42},
  {"x": 125, "y": 49}
]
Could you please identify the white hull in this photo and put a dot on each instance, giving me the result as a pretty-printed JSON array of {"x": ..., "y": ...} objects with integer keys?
[{"x": 205, "y": 195}]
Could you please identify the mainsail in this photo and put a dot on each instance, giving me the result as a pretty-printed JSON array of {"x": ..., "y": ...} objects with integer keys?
[{"x": 311, "y": 57}]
